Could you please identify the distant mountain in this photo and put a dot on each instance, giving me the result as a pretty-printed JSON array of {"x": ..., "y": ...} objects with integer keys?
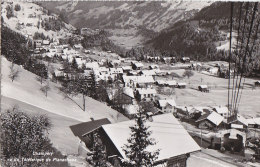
[
  {"x": 105, "y": 14},
  {"x": 130, "y": 23},
  {"x": 199, "y": 36}
]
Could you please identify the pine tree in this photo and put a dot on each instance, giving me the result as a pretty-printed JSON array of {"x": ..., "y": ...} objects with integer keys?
[
  {"x": 98, "y": 155},
  {"x": 136, "y": 148}
]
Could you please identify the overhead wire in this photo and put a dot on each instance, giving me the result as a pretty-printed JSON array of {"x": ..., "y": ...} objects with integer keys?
[
  {"x": 249, "y": 56},
  {"x": 246, "y": 51},
  {"x": 240, "y": 50},
  {"x": 236, "y": 56},
  {"x": 230, "y": 49}
]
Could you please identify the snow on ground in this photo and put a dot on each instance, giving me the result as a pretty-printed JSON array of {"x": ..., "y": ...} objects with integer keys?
[
  {"x": 218, "y": 94},
  {"x": 225, "y": 45},
  {"x": 203, "y": 160},
  {"x": 23, "y": 17},
  {"x": 27, "y": 89},
  {"x": 60, "y": 134}
]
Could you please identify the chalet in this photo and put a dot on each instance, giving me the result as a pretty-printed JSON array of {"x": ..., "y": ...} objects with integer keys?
[
  {"x": 58, "y": 73},
  {"x": 191, "y": 110},
  {"x": 137, "y": 81},
  {"x": 210, "y": 121},
  {"x": 253, "y": 122},
  {"x": 46, "y": 42},
  {"x": 59, "y": 49},
  {"x": 203, "y": 88},
  {"x": 237, "y": 122},
  {"x": 84, "y": 130},
  {"x": 223, "y": 111},
  {"x": 137, "y": 65},
  {"x": 168, "y": 60},
  {"x": 114, "y": 63},
  {"x": 181, "y": 85},
  {"x": 171, "y": 83},
  {"x": 132, "y": 73},
  {"x": 257, "y": 83},
  {"x": 214, "y": 71},
  {"x": 122, "y": 60},
  {"x": 80, "y": 62},
  {"x": 146, "y": 94},
  {"x": 167, "y": 106},
  {"x": 185, "y": 59},
  {"x": 196, "y": 66},
  {"x": 101, "y": 70},
  {"x": 144, "y": 81},
  {"x": 147, "y": 72},
  {"x": 116, "y": 70},
  {"x": 153, "y": 59},
  {"x": 106, "y": 77},
  {"x": 166, "y": 130},
  {"x": 126, "y": 69},
  {"x": 161, "y": 83},
  {"x": 92, "y": 65},
  {"x": 120, "y": 98}
]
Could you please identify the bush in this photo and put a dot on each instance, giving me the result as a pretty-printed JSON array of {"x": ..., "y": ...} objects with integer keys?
[
  {"x": 21, "y": 135},
  {"x": 17, "y": 7}
]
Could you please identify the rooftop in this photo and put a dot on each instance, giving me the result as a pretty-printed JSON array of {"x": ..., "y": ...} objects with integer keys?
[
  {"x": 146, "y": 90},
  {"x": 213, "y": 117},
  {"x": 86, "y": 127},
  {"x": 172, "y": 139},
  {"x": 163, "y": 103}
]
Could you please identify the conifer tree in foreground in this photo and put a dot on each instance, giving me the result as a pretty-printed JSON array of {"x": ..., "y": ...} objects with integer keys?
[
  {"x": 98, "y": 155},
  {"x": 136, "y": 148}
]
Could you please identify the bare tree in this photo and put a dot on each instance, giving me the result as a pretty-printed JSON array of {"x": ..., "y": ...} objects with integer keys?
[
  {"x": 76, "y": 86},
  {"x": 45, "y": 89},
  {"x": 14, "y": 72}
]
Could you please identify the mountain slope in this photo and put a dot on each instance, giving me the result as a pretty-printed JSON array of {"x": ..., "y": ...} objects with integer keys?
[
  {"x": 27, "y": 89},
  {"x": 198, "y": 36},
  {"x": 32, "y": 18},
  {"x": 130, "y": 23},
  {"x": 151, "y": 15}
]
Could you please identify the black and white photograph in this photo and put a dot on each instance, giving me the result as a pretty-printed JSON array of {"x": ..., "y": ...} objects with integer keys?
[{"x": 130, "y": 83}]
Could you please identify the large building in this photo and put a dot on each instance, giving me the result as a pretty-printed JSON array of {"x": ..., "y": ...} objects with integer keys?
[{"x": 173, "y": 140}]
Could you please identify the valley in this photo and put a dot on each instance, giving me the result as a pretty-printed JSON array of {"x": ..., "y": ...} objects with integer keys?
[{"x": 98, "y": 70}]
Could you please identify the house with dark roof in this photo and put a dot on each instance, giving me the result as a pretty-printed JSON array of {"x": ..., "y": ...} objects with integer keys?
[
  {"x": 167, "y": 105},
  {"x": 210, "y": 121},
  {"x": 84, "y": 131},
  {"x": 237, "y": 122}
]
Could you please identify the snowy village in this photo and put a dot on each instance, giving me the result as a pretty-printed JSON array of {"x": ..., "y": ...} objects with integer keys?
[{"x": 74, "y": 94}]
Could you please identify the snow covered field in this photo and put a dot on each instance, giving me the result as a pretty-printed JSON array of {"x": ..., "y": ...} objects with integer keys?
[
  {"x": 27, "y": 89},
  {"x": 25, "y": 93}
]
